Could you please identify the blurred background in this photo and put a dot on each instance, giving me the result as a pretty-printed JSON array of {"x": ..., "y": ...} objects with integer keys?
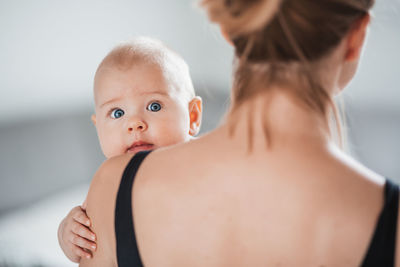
[{"x": 49, "y": 51}]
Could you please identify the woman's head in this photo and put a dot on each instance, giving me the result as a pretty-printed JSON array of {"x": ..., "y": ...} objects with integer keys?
[
  {"x": 286, "y": 30},
  {"x": 284, "y": 43}
]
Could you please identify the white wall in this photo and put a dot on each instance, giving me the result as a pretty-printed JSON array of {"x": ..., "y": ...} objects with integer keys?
[{"x": 49, "y": 50}]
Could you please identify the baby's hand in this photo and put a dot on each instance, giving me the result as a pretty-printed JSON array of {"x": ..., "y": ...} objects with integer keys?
[{"x": 74, "y": 236}]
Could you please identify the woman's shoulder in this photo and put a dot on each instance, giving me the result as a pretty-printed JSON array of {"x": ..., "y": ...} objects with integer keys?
[
  {"x": 353, "y": 170},
  {"x": 100, "y": 208},
  {"x": 168, "y": 172},
  {"x": 178, "y": 157},
  {"x": 114, "y": 165},
  {"x": 106, "y": 180},
  {"x": 166, "y": 160}
]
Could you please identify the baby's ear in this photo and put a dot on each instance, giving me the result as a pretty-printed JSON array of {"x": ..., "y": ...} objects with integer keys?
[
  {"x": 93, "y": 118},
  {"x": 195, "y": 112}
]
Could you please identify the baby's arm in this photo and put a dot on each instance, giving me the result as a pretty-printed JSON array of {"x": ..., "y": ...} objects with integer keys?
[{"x": 74, "y": 236}]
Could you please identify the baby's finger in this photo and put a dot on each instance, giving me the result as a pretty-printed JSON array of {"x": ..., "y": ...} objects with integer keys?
[
  {"x": 83, "y": 243},
  {"x": 83, "y": 231},
  {"x": 81, "y": 252},
  {"x": 81, "y": 217}
]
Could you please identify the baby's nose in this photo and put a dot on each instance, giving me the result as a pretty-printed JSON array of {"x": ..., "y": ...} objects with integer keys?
[{"x": 137, "y": 125}]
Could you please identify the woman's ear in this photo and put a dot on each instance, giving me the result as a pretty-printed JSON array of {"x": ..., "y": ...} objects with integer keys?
[
  {"x": 356, "y": 38},
  {"x": 226, "y": 36},
  {"x": 93, "y": 118},
  {"x": 195, "y": 114}
]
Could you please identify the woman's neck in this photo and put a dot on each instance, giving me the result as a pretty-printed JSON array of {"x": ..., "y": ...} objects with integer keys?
[{"x": 278, "y": 119}]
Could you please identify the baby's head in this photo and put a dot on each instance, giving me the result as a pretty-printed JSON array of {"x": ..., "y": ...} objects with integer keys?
[{"x": 144, "y": 99}]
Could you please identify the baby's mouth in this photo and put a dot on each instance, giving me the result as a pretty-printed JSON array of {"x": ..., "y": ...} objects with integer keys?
[{"x": 139, "y": 146}]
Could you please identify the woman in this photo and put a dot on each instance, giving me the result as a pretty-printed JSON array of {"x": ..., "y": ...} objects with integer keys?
[{"x": 269, "y": 187}]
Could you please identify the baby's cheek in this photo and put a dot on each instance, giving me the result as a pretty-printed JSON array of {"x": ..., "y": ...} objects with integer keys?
[
  {"x": 107, "y": 148},
  {"x": 171, "y": 134},
  {"x": 111, "y": 145}
]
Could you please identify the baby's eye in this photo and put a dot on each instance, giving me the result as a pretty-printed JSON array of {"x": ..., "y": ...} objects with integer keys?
[
  {"x": 154, "y": 107},
  {"x": 117, "y": 113}
]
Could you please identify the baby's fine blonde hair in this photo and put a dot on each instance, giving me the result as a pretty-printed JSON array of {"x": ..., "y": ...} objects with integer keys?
[{"x": 146, "y": 50}]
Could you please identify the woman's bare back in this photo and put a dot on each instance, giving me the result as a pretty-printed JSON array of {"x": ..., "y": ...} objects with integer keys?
[{"x": 212, "y": 203}]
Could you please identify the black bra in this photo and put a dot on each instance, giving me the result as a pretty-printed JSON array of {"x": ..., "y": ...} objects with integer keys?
[{"x": 381, "y": 251}]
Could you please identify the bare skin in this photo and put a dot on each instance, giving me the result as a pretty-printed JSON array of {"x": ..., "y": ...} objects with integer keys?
[
  {"x": 301, "y": 202},
  {"x": 131, "y": 91},
  {"x": 283, "y": 200}
]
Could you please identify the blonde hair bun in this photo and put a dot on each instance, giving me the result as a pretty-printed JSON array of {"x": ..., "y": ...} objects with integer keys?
[{"x": 239, "y": 17}]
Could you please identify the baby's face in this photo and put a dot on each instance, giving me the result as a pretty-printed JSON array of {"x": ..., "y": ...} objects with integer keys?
[{"x": 138, "y": 109}]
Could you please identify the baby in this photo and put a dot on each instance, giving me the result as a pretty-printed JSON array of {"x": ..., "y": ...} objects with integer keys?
[{"x": 144, "y": 99}]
